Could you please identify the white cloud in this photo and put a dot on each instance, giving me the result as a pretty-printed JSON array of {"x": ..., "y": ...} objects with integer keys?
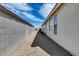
[
  {"x": 37, "y": 25},
  {"x": 38, "y": 22},
  {"x": 46, "y": 9},
  {"x": 10, "y": 7},
  {"x": 22, "y": 6},
  {"x": 32, "y": 17}
]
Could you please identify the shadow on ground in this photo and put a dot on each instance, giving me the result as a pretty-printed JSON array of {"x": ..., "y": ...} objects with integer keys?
[{"x": 49, "y": 45}]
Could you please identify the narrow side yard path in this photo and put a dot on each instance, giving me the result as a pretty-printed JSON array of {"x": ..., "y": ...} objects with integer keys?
[
  {"x": 49, "y": 45},
  {"x": 25, "y": 48}
]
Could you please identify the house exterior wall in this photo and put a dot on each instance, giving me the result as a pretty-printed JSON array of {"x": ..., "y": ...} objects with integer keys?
[
  {"x": 68, "y": 28},
  {"x": 12, "y": 33}
]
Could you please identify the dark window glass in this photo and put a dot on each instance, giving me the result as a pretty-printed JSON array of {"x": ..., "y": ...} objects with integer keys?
[{"x": 55, "y": 25}]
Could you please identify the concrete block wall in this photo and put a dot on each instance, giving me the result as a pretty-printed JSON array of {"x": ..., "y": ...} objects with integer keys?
[{"x": 12, "y": 33}]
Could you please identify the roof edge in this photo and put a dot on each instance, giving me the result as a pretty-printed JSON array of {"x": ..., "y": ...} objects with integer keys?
[
  {"x": 57, "y": 6},
  {"x": 19, "y": 19}
]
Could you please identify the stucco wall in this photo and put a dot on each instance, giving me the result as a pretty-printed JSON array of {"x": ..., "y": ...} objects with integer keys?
[
  {"x": 68, "y": 28},
  {"x": 12, "y": 33}
]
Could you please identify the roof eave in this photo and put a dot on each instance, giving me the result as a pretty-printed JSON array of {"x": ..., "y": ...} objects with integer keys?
[
  {"x": 14, "y": 15},
  {"x": 57, "y": 6}
]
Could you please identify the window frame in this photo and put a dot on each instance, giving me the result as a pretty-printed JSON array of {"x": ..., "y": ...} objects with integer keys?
[{"x": 55, "y": 25}]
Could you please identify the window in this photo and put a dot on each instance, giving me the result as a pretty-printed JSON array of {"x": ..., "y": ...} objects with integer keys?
[
  {"x": 51, "y": 24},
  {"x": 55, "y": 25},
  {"x": 46, "y": 27}
]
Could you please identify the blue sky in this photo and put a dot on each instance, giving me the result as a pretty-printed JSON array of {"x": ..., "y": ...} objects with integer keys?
[{"x": 33, "y": 13}]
